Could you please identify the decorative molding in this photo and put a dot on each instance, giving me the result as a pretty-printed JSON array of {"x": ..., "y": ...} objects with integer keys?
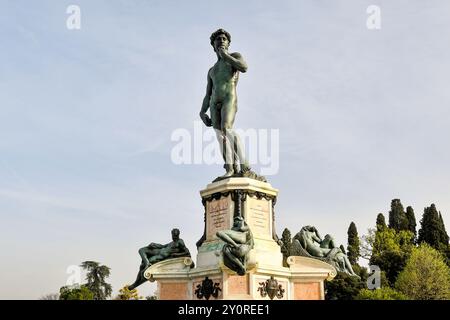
[
  {"x": 207, "y": 289},
  {"x": 271, "y": 288},
  {"x": 242, "y": 192},
  {"x": 176, "y": 266},
  {"x": 311, "y": 266}
]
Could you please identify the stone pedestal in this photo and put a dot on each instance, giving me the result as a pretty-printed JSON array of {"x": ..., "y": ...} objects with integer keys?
[
  {"x": 211, "y": 279},
  {"x": 302, "y": 280},
  {"x": 254, "y": 201}
]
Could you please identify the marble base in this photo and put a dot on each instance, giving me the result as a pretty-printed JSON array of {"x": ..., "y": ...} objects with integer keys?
[
  {"x": 302, "y": 280},
  {"x": 254, "y": 201}
]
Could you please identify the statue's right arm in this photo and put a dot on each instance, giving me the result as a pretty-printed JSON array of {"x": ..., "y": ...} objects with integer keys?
[
  {"x": 317, "y": 234},
  {"x": 316, "y": 238},
  {"x": 205, "y": 104}
]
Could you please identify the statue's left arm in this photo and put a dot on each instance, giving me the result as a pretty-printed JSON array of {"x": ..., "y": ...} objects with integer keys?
[
  {"x": 235, "y": 60},
  {"x": 156, "y": 246}
]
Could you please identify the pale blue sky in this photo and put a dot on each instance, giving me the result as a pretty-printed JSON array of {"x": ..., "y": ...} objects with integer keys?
[{"x": 86, "y": 118}]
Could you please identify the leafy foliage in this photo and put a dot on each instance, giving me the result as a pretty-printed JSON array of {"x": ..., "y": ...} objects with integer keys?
[
  {"x": 381, "y": 222},
  {"x": 383, "y": 293},
  {"x": 127, "y": 294},
  {"x": 343, "y": 287},
  {"x": 432, "y": 229},
  {"x": 425, "y": 276},
  {"x": 353, "y": 244},
  {"x": 411, "y": 221},
  {"x": 397, "y": 216},
  {"x": 75, "y": 293},
  {"x": 390, "y": 251},
  {"x": 96, "y": 283}
]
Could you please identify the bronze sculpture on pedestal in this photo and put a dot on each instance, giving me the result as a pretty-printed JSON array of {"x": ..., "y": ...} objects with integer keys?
[{"x": 221, "y": 100}]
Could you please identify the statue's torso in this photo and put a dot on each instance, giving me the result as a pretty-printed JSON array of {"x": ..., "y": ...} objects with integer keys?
[{"x": 224, "y": 78}]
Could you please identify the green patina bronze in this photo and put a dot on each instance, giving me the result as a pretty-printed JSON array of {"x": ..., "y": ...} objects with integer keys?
[
  {"x": 238, "y": 243},
  {"x": 156, "y": 252},
  {"x": 221, "y": 100},
  {"x": 308, "y": 243}
]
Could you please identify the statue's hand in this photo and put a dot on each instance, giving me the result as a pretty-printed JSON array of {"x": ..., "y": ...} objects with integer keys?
[
  {"x": 221, "y": 52},
  {"x": 206, "y": 120}
]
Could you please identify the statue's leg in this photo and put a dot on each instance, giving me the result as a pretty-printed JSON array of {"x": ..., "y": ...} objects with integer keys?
[
  {"x": 239, "y": 152},
  {"x": 222, "y": 144},
  {"x": 144, "y": 253},
  {"x": 348, "y": 265},
  {"x": 233, "y": 262},
  {"x": 156, "y": 258},
  {"x": 216, "y": 119},
  {"x": 139, "y": 279},
  {"x": 227, "y": 151},
  {"x": 229, "y": 110}
]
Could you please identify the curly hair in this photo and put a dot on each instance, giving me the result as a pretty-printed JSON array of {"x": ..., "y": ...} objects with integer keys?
[{"x": 219, "y": 32}]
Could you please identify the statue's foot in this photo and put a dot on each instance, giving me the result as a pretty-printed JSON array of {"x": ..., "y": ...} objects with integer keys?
[
  {"x": 132, "y": 287},
  {"x": 241, "y": 272},
  {"x": 253, "y": 175},
  {"x": 245, "y": 168},
  {"x": 228, "y": 174}
]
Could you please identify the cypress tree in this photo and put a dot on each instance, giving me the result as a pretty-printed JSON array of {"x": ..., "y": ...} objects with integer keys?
[
  {"x": 444, "y": 235},
  {"x": 353, "y": 243},
  {"x": 397, "y": 216},
  {"x": 411, "y": 221},
  {"x": 432, "y": 230},
  {"x": 381, "y": 222}
]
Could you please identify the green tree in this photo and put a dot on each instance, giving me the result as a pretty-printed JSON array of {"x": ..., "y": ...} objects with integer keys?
[
  {"x": 411, "y": 221},
  {"x": 127, "y": 294},
  {"x": 343, "y": 287},
  {"x": 96, "y": 279},
  {"x": 383, "y": 293},
  {"x": 426, "y": 276},
  {"x": 397, "y": 216},
  {"x": 445, "y": 246},
  {"x": 353, "y": 244},
  {"x": 390, "y": 251},
  {"x": 432, "y": 229},
  {"x": 444, "y": 236},
  {"x": 75, "y": 293},
  {"x": 381, "y": 222}
]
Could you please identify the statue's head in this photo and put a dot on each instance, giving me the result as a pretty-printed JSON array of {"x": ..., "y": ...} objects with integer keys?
[
  {"x": 175, "y": 234},
  {"x": 220, "y": 38},
  {"x": 238, "y": 221}
]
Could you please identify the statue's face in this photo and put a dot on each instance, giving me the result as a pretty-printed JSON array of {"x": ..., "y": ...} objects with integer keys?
[
  {"x": 238, "y": 223},
  {"x": 175, "y": 234},
  {"x": 221, "y": 41}
]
